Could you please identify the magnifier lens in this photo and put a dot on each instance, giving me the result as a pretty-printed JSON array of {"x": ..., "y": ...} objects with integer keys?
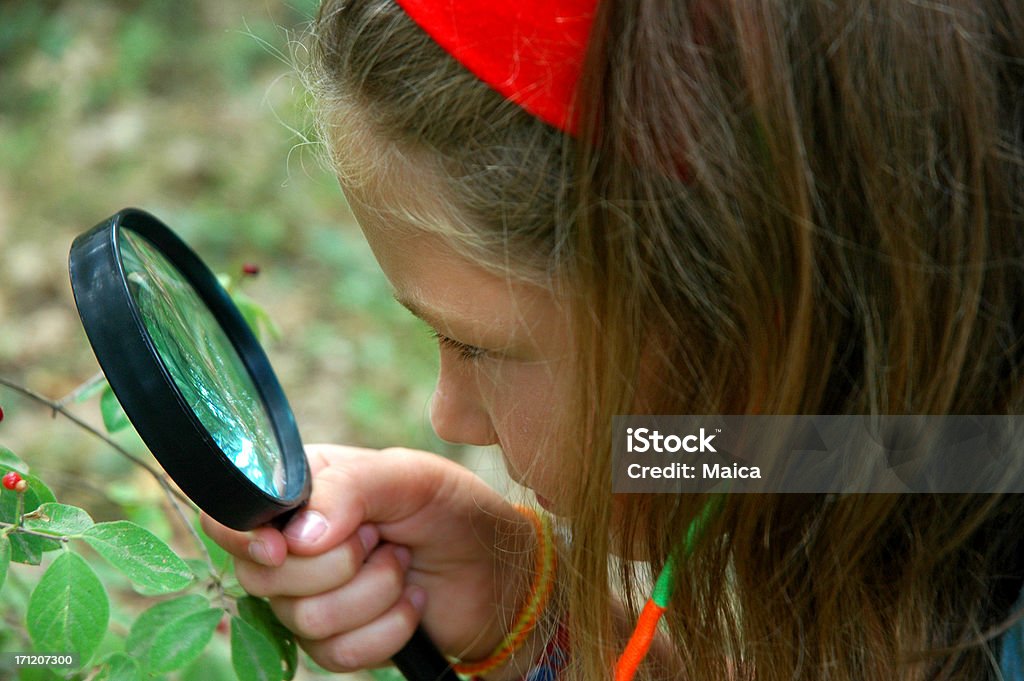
[{"x": 203, "y": 363}]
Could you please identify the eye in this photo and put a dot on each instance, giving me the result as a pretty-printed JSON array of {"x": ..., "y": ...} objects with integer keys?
[{"x": 466, "y": 352}]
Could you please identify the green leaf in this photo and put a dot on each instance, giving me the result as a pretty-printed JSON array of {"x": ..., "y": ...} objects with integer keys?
[
  {"x": 140, "y": 555},
  {"x": 137, "y": 506},
  {"x": 119, "y": 667},
  {"x": 29, "y": 550},
  {"x": 39, "y": 674},
  {"x": 231, "y": 586},
  {"x": 220, "y": 558},
  {"x": 257, "y": 613},
  {"x": 114, "y": 418},
  {"x": 253, "y": 656},
  {"x": 69, "y": 609},
  {"x": 24, "y": 548},
  {"x": 256, "y": 317},
  {"x": 150, "y": 623},
  {"x": 183, "y": 640},
  {"x": 59, "y": 519},
  {"x": 213, "y": 665},
  {"x": 200, "y": 568},
  {"x": 10, "y": 461},
  {"x": 42, "y": 493},
  {"x": 5, "y": 557}
]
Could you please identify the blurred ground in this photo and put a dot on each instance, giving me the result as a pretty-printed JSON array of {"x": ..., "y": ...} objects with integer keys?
[{"x": 190, "y": 110}]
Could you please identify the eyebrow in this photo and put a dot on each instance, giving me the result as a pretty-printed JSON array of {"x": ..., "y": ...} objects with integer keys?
[
  {"x": 458, "y": 327},
  {"x": 420, "y": 312},
  {"x": 417, "y": 311}
]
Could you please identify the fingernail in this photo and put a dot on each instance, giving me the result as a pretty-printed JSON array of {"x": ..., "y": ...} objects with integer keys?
[
  {"x": 307, "y": 526},
  {"x": 258, "y": 552},
  {"x": 369, "y": 536},
  {"x": 403, "y": 556},
  {"x": 418, "y": 597}
]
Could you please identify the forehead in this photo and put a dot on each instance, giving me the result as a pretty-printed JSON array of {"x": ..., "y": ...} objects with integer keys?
[
  {"x": 412, "y": 187},
  {"x": 426, "y": 248},
  {"x": 423, "y": 244},
  {"x": 446, "y": 288}
]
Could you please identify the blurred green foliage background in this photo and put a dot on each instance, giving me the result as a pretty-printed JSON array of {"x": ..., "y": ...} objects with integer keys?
[{"x": 191, "y": 110}]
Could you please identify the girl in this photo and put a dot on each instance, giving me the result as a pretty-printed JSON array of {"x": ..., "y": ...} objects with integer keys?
[{"x": 672, "y": 207}]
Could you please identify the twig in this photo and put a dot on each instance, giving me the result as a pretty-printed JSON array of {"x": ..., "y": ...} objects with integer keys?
[
  {"x": 176, "y": 497},
  {"x": 58, "y": 408},
  {"x": 202, "y": 546},
  {"x": 81, "y": 389},
  {"x": 19, "y": 529}
]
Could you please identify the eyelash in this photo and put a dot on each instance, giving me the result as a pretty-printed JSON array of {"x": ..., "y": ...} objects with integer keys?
[{"x": 465, "y": 351}]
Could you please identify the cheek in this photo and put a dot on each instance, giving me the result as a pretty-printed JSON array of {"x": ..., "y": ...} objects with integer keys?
[{"x": 526, "y": 402}]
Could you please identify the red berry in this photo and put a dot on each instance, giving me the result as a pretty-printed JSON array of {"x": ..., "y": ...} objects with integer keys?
[
  {"x": 1, "y": 413},
  {"x": 11, "y": 480},
  {"x": 251, "y": 269}
]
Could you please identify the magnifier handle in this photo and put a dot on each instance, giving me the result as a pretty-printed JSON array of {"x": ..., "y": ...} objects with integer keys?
[{"x": 420, "y": 660}]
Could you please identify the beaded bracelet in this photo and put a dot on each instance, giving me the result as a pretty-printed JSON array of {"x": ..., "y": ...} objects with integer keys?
[
  {"x": 540, "y": 592},
  {"x": 553, "y": 660}
]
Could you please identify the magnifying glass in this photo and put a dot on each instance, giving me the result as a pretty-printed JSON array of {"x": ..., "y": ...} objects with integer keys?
[{"x": 196, "y": 384}]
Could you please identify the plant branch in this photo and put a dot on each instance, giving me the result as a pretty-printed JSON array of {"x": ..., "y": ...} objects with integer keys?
[
  {"x": 59, "y": 408},
  {"x": 174, "y": 496},
  {"x": 82, "y": 388},
  {"x": 20, "y": 529},
  {"x": 199, "y": 542}
]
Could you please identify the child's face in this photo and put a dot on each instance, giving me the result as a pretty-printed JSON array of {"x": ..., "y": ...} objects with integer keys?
[{"x": 504, "y": 346}]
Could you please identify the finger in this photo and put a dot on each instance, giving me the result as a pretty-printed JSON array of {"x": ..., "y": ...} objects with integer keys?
[
  {"x": 316, "y": 455},
  {"x": 309, "y": 575},
  {"x": 354, "y": 486},
  {"x": 264, "y": 545},
  {"x": 374, "y": 644},
  {"x": 374, "y": 591}
]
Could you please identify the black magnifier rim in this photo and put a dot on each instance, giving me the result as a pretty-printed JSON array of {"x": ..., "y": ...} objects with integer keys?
[{"x": 148, "y": 392}]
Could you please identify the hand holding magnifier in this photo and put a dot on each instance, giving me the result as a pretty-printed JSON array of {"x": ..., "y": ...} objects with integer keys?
[{"x": 196, "y": 384}]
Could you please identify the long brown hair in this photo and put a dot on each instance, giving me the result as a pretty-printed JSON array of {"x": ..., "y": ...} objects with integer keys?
[{"x": 779, "y": 208}]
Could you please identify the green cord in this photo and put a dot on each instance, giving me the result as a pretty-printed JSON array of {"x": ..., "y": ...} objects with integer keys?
[{"x": 666, "y": 581}]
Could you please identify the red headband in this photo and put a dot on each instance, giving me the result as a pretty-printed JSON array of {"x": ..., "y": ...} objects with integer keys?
[{"x": 530, "y": 51}]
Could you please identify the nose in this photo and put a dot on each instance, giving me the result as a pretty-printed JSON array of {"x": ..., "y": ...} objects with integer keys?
[{"x": 457, "y": 410}]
